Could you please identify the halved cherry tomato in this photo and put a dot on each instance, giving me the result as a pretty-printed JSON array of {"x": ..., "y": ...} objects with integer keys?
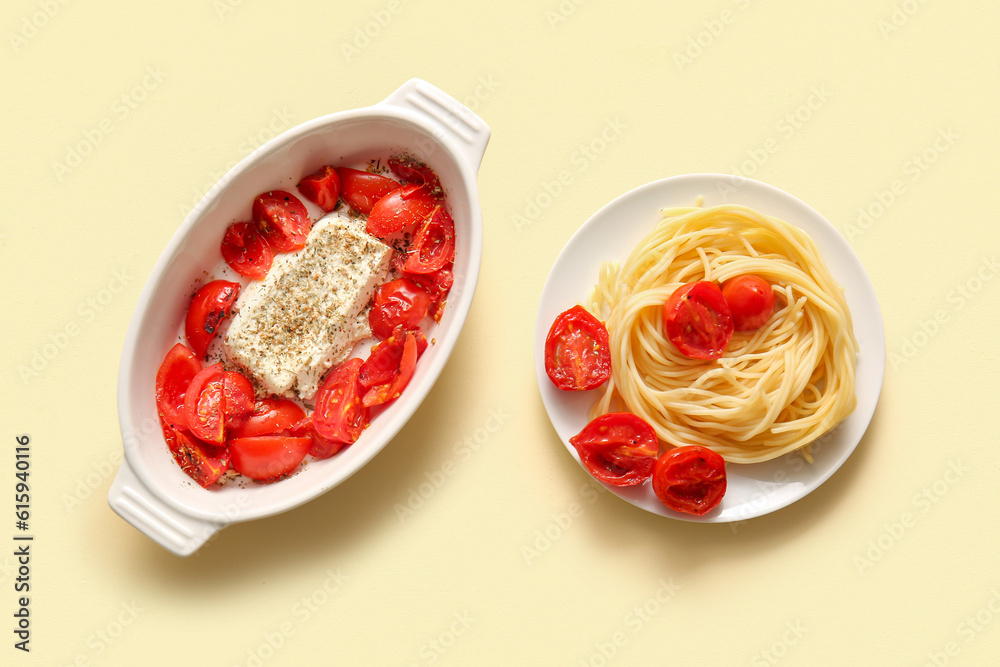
[
  {"x": 321, "y": 448},
  {"x": 577, "y": 354},
  {"x": 339, "y": 414},
  {"x": 434, "y": 244},
  {"x": 204, "y": 463},
  {"x": 172, "y": 380},
  {"x": 268, "y": 458},
  {"x": 271, "y": 416},
  {"x": 246, "y": 251},
  {"x": 437, "y": 285},
  {"x": 404, "y": 207},
  {"x": 690, "y": 479},
  {"x": 362, "y": 189},
  {"x": 697, "y": 320},
  {"x": 209, "y": 306},
  {"x": 618, "y": 448},
  {"x": 205, "y": 404},
  {"x": 750, "y": 299},
  {"x": 322, "y": 187},
  {"x": 282, "y": 219},
  {"x": 411, "y": 170},
  {"x": 397, "y": 302},
  {"x": 239, "y": 398},
  {"x": 389, "y": 367}
]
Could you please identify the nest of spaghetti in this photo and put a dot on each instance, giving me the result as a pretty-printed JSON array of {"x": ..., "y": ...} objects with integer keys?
[{"x": 774, "y": 390}]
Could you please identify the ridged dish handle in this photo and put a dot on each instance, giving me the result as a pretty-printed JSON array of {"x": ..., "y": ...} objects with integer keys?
[
  {"x": 446, "y": 116},
  {"x": 176, "y": 532}
]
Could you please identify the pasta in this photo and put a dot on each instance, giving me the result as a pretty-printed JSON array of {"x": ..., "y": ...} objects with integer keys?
[{"x": 775, "y": 389}]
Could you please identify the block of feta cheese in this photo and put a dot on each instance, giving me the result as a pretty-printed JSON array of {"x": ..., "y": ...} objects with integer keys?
[{"x": 309, "y": 311}]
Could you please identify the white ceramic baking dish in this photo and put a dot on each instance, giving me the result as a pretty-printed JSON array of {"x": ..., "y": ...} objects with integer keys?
[{"x": 150, "y": 491}]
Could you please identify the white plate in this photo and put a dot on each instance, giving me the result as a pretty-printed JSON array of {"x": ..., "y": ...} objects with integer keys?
[{"x": 612, "y": 233}]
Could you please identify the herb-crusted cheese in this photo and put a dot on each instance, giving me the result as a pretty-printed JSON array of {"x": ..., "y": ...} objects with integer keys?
[{"x": 310, "y": 310}]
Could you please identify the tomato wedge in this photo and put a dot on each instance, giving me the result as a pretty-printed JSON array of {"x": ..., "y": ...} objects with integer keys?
[
  {"x": 399, "y": 302},
  {"x": 434, "y": 244},
  {"x": 339, "y": 415},
  {"x": 322, "y": 187},
  {"x": 404, "y": 207},
  {"x": 238, "y": 398},
  {"x": 690, "y": 479},
  {"x": 750, "y": 300},
  {"x": 389, "y": 367},
  {"x": 321, "y": 448},
  {"x": 202, "y": 462},
  {"x": 411, "y": 170},
  {"x": 697, "y": 320},
  {"x": 282, "y": 219},
  {"x": 246, "y": 251},
  {"x": 362, "y": 189},
  {"x": 205, "y": 405},
  {"x": 209, "y": 306},
  {"x": 270, "y": 416},
  {"x": 577, "y": 353},
  {"x": 268, "y": 458},
  {"x": 437, "y": 285},
  {"x": 618, "y": 448},
  {"x": 172, "y": 379}
]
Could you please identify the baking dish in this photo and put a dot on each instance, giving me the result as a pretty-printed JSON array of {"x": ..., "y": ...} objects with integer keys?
[{"x": 150, "y": 491}]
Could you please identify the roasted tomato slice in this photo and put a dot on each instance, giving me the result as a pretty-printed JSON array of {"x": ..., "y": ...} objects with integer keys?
[
  {"x": 321, "y": 448},
  {"x": 205, "y": 405},
  {"x": 204, "y": 463},
  {"x": 411, "y": 170},
  {"x": 268, "y": 458},
  {"x": 404, "y": 207},
  {"x": 282, "y": 219},
  {"x": 239, "y": 398},
  {"x": 362, "y": 189},
  {"x": 271, "y": 416},
  {"x": 437, "y": 285},
  {"x": 697, "y": 320},
  {"x": 397, "y": 302},
  {"x": 246, "y": 251},
  {"x": 389, "y": 367},
  {"x": 750, "y": 300},
  {"x": 172, "y": 379},
  {"x": 618, "y": 448},
  {"x": 434, "y": 244},
  {"x": 690, "y": 479},
  {"x": 339, "y": 415},
  {"x": 209, "y": 306},
  {"x": 322, "y": 187},
  {"x": 577, "y": 355}
]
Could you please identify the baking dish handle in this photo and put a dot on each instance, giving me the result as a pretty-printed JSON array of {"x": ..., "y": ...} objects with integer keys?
[
  {"x": 445, "y": 116},
  {"x": 180, "y": 533}
]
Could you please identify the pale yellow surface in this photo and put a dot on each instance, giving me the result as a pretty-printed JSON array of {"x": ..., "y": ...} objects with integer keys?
[{"x": 836, "y": 102}]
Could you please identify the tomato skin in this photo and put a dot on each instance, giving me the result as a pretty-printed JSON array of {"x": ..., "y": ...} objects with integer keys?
[
  {"x": 751, "y": 301},
  {"x": 577, "y": 353},
  {"x": 205, "y": 405},
  {"x": 322, "y": 187},
  {"x": 268, "y": 458},
  {"x": 437, "y": 285},
  {"x": 283, "y": 220},
  {"x": 618, "y": 448},
  {"x": 399, "y": 302},
  {"x": 362, "y": 189},
  {"x": 202, "y": 462},
  {"x": 339, "y": 415},
  {"x": 404, "y": 207},
  {"x": 239, "y": 398},
  {"x": 690, "y": 479},
  {"x": 172, "y": 380},
  {"x": 321, "y": 448},
  {"x": 389, "y": 368},
  {"x": 433, "y": 245},
  {"x": 697, "y": 320},
  {"x": 271, "y": 416},
  {"x": 209, "y": 306},
  {"x": 246, "y": 251},
  {"x": 411, "y": 170}
]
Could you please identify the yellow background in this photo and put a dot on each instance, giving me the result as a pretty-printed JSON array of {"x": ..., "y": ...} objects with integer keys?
[{"x": 887, "y": 107}]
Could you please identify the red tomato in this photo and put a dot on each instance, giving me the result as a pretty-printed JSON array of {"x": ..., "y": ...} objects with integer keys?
[
  {"x": 751, "y": 301},
  {"x": 697, "y": 320},
  {"x": 402, "y": 208},
  {"x": 246, "y": 251},
  {"x": 437, "y": 285},
  {"x": 282, "y": 219},
  {"x": 339, "y": 414},
  {"x": 268, "y": 458},
  {"x": 205, "y": 404},
  {"x": 690, "y": 479},
  {"x": 434, "y": 244},
  {"x": 209, "y": 306},
  {"x": 172, "y": 379},
  {"x": 271, "y": 416},
  {"x": 397, "y": 302},
  {"x": 577, "y": 355},
  {"x": 618, "y": 448},
  {"x": 362, "y": 189},
  {"x": 321, "y": 448},
  {"x": 389, "y": 367},
  {"x": 204, "y": 463},
  {"x": 411, "y": 170},
  {"x": 239, "y": 398},
  {"x": 322, "y": 188}
]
